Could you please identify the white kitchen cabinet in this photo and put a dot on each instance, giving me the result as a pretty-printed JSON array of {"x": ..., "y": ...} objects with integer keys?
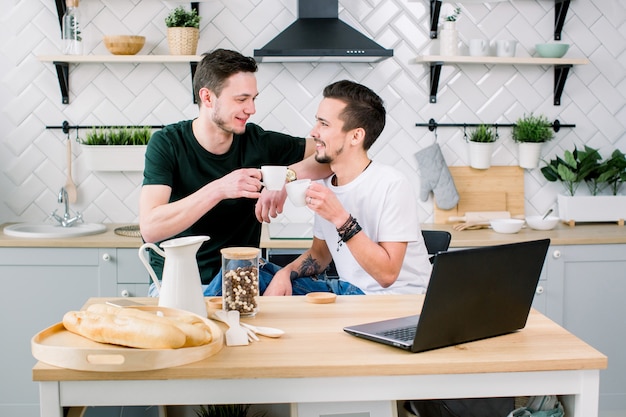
[
  {"x": 38, "y": 286},
  {"x": 585, "y": 289}
]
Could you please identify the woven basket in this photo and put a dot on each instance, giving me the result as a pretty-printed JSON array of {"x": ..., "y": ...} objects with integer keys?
[{"x": 183, "y": 41}]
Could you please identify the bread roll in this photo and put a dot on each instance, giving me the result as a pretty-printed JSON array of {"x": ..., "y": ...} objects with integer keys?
[
  {"x": 196, "y": 331},
  {"x": 124, "y": 330}
]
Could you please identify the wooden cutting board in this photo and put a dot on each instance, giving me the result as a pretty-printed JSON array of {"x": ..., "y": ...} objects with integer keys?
[
  {"x": 499, "y": 188},
  {"x": 59, "y": 347}
]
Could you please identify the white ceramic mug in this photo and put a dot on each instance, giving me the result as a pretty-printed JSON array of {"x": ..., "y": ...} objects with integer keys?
[
  {"x": 274, "y": 176},
  {"x": 479, "y": 47},
  {"x": 296, "y": 190},
  {"x": 505, "y": 47}
]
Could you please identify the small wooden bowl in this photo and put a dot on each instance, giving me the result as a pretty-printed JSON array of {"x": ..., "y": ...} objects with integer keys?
[
  {"x": 124, "y": 44},
  {"x": 321, "y": 297}
]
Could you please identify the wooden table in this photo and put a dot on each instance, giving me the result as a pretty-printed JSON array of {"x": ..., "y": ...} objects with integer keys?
[{"x": 321, "y": 368}]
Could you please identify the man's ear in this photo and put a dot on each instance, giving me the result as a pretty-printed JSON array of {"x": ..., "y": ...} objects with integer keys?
[
  {"x": 205, "y": 97},
  {"x": 358, "y": 135}
]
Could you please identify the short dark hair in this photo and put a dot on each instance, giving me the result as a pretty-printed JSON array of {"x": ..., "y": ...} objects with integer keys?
[
  {"x": 364, "y": 109},
  {"x": 216, "y": 67}
]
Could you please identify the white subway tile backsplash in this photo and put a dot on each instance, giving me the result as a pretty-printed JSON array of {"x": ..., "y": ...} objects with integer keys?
[{"x": 593, "y": 98}]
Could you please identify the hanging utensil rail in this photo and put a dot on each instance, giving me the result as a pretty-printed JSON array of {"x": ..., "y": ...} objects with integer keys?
[
  {"x": 66, "y": 127},
  {"x": 432, "y": 125}
]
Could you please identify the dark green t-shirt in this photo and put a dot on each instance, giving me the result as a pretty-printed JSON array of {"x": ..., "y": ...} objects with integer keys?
[{"x": 175, "y": 158}]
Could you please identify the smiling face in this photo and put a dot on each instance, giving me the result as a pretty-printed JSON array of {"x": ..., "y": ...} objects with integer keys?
[
  {"x": 235, "y": 104},
  {"x": 330, "y": 138}
]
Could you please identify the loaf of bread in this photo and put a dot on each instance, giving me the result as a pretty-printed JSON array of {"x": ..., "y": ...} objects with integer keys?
[{"x": 136, "y": 328}]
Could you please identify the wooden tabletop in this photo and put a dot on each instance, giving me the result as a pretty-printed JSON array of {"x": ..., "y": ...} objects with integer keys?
[
  {"x": 581, "y": 234},
  {"x": 316, "y": 346}
]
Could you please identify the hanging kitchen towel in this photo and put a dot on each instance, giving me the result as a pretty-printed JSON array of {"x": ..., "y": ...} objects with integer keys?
[{"x": 436, "y": 177}]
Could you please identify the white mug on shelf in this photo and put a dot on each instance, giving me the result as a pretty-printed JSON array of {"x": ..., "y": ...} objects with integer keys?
[
  {"x": 479, "y": 47},
  {"x": 505, "y": 47}
]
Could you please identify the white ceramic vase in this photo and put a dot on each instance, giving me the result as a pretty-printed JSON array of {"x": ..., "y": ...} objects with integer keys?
[{"x": 449, "y": 39}]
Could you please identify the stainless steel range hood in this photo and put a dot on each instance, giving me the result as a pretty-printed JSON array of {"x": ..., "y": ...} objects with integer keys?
[{"x": 319, "y": 36}]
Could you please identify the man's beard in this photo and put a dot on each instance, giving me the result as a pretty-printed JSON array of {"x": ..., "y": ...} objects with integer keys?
[
  {"x": 326, "y": 159},
  {"x": 219, "y": 122}
]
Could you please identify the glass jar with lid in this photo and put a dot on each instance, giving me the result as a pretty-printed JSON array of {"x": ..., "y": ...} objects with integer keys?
[{"x": 240, "y": 280}]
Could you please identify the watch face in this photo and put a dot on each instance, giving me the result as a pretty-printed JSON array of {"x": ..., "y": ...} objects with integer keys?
[{"x": 291, "y": 175}]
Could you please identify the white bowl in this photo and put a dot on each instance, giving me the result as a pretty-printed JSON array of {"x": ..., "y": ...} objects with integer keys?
[
  {"x": 537, "y": 223},
  {"x": 506, "y": 225}
]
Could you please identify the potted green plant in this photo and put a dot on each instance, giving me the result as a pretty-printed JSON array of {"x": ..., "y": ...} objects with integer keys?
[
  {"x": 116, "y": 149},
  {"x": 530, "y": 132},
  {"x": 481, "y": 140},
  {"x": 578, "y": 166},
  {"x": 183, "y": 31}
]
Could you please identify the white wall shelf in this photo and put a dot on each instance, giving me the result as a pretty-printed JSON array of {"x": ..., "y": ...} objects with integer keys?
[
  {"x": 561, "y": 68},
  {"x": 62, "y": 64},
  {"x": 560, "y": 11}
]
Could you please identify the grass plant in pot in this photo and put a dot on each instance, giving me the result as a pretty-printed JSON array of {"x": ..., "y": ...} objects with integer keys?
[
  {"x": 183, "y": 31},
  {"x": 603, "y": 179},
  {"x": 481, "y": 141},
  {"x": 116, "y": 149},
  {"x": 227, "y": 410},
  {"x": 530, "y": 132}
]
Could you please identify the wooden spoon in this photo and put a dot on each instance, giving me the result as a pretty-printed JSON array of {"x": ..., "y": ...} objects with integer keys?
[{"x": 70, "y": 187}]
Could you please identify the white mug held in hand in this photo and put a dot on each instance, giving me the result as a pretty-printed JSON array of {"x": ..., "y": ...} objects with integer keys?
[
  {"x": 274, "y": 176},
  {"x": 505, "y": 47},
  {"x": 296, "y": 190}
]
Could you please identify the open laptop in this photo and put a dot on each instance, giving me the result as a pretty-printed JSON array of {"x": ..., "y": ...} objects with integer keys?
[{"x": 472, "y": 294}]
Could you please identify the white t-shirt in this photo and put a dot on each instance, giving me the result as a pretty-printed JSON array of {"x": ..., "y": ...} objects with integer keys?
[{"x": 384, "y": 204}]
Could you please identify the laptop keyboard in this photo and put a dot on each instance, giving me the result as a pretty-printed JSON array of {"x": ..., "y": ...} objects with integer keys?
[{"x": 405, "y": 334}]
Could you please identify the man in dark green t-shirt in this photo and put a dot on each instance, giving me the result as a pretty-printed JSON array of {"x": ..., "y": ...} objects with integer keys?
[{"x": 202, "y": 176}]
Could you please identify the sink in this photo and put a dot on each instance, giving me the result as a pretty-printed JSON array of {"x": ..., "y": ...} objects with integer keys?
[{"x": 43, "y": 230}]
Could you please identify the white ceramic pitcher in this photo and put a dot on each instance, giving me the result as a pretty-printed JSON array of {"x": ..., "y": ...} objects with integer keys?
[{"x": 180, "y": 286}]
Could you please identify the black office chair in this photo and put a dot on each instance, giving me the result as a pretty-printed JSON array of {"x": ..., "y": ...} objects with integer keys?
[{"x": 436, "y": 241}]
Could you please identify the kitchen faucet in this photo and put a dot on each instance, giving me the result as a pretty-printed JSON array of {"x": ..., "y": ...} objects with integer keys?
[{"x": 66, "y": 220}]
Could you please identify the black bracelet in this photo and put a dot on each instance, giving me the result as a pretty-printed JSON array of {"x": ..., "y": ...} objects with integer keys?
[{"x": 347, "y": 231}]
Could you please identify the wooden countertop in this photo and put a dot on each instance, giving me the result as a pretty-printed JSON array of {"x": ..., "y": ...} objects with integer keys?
[
  {"x": 108, "y": 239},
  {"x": 581, "y": 234},
  {"x": 315, "y": 345}
]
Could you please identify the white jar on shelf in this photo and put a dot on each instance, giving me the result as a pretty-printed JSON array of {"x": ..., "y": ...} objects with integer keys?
[{"x": 448, "y": 39}]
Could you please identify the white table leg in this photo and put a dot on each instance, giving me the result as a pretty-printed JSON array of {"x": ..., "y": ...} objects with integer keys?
[{"x": 49, "y": 400}]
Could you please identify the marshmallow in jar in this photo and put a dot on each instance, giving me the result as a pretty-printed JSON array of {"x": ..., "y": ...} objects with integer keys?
[{"x": 240, "y": 280}]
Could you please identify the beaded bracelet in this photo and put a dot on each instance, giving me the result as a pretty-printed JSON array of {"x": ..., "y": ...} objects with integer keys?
[{"x": 347, "y": 231}]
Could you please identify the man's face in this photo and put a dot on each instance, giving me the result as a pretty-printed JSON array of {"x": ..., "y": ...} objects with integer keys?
[
  {"x": 235, "y": 105},
  {"x": 330, "y": 139}
]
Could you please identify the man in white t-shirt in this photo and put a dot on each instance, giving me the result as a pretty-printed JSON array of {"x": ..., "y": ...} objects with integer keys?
[{"x": 366, "y": 214}]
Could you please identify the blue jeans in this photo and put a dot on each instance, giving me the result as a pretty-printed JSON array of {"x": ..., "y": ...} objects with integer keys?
[{"x": 300, "y": 286}]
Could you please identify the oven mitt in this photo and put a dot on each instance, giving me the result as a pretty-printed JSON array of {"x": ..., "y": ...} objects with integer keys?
[{"x": 436, "y": 177}]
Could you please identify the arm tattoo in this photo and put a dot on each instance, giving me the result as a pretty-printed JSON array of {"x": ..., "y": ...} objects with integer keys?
[{"x": 309, "y": 267}]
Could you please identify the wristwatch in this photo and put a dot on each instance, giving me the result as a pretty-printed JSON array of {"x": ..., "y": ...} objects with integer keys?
[{"x": 291, "y": 175}]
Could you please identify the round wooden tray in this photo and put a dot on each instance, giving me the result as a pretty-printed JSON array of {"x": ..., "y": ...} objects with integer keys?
[{"x": 59, "y": 347}]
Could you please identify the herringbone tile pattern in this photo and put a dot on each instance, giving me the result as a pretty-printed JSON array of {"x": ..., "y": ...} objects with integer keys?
[{"x": 32, "y": 158}]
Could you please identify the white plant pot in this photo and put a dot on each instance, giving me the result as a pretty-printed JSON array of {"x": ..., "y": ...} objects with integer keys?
[
  {"x": 114, "y": 157},
  {"x": 480, "y": 154},
  {"x": 529, "y": 154},
  {"x": 600, "y": 208}
]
